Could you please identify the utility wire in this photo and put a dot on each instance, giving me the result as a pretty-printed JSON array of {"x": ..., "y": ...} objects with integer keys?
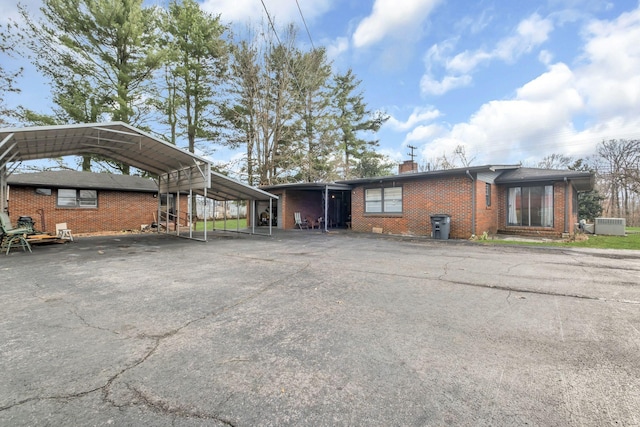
[
  {"x": 305, "y": 25},
  {"x": 288, "y": 63},
  {"x": 273, "y": 28}
]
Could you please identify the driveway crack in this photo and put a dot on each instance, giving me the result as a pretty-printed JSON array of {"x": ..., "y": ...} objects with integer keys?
[{"x": 157, "y": 405}]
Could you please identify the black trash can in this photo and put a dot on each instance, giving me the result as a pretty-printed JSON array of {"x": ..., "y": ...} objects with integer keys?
[{"x": 440, "y": 226}]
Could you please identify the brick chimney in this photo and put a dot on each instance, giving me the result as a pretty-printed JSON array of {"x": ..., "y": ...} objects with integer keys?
[{"x": 408, "y": 166}]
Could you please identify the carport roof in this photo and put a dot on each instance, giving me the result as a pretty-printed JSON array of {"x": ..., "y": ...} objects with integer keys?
[{"x": 122, "y": 143}]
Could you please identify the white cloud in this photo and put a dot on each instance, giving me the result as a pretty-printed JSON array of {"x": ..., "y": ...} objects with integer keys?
[
  {"x": 424, "y": 133},
  {"x": 430, "y": 86},
  {"x": 281, "y": 11},
  {"x": 536, "y": 121},
  {"x": 337, "y": 47},
  {"x": 545, "y": 57},
  {"x": 530, "y": 33},
  {"x": 392, "y": 18},
  {"x": 610, "y": 78},
  {"x": 419, "y": 115}
]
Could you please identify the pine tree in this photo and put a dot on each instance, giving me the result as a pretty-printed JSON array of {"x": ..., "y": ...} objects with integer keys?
[
  {"x": 197, "y": 60},
  {"x": 353, "y": 118},
  {"x": 108, "y": 45}
]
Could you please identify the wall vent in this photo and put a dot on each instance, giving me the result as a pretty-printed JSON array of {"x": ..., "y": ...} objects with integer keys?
[{"x": 610, "y": 226}]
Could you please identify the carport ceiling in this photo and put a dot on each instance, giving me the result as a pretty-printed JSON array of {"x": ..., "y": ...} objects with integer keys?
[{"x": 120, "y": 142}]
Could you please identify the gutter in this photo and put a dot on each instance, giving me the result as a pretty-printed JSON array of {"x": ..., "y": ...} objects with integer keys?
[{"x": 473, "y": 202}]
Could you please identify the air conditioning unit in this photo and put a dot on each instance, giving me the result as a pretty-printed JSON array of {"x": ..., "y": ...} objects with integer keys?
[{"x": 610, "y": 226}]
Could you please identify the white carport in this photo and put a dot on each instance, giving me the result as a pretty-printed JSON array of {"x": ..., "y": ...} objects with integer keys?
[{"x": 177, "y": 170}]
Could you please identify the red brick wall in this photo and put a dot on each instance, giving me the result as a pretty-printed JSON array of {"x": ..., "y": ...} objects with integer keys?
[
  {"x": 486, "y": 216},
  {"x": 116, "y": 210},
  {"x": 420, "y": 199},
  {"x": 308, "y": 203}
]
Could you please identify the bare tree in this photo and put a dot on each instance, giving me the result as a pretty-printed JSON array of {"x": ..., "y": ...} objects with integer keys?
[
  {"x": 556, "y": 161},
  {"x": 617, "y": 167}
]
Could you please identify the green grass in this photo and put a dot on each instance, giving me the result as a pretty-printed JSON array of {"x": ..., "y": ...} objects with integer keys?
[
  {"x": 232, "y": 224},
  {"x": 630, "y": 241}
]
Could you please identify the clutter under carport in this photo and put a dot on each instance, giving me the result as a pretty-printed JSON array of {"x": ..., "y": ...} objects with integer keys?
[{"x": 25, "y": 235}]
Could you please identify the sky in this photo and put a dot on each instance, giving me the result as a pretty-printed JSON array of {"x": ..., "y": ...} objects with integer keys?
[{"x": 510, "y": 81}]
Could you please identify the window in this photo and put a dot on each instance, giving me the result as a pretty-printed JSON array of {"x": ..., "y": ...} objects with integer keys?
[
  {"x": 72, "y": 198},
  {"x": 383, "y": 200},
  {"x": 530, "y": 206},
  {"x": 43, "y": 191},
  {"x": 487, "y": 193}
]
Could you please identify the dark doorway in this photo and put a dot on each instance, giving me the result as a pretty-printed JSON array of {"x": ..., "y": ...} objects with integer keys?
[{"x": 339, "y": 208}]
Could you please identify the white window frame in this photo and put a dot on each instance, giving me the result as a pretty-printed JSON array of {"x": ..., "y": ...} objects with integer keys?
[
  {"x": 383, "y": 200},
  {"x": 81, "y": 198}
]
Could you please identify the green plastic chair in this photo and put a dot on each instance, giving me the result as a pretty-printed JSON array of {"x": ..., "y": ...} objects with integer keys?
[{"x": 13, "y": 236}]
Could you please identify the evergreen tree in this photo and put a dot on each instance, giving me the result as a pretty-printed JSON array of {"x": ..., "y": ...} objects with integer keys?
[
  {"x": 316, "y": 141},
  {"x": 8, "y": 78},
  {"x": 240, "y": 113},
  {"x": 197, "y": 59},
  {"x": 99, "y": 56},
  {"x": 352, "y": 119},
  {"x": 589, "y": 202},
  {"x": 259, "y": 111}
]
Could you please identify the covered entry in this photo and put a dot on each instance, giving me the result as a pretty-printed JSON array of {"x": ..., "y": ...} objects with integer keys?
[
  {"x": 324, "y": 205},
  {"x": 177, "y": 172}
]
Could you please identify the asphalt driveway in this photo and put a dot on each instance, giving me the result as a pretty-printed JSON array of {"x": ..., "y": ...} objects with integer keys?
[{"x": 317, "y": 329}]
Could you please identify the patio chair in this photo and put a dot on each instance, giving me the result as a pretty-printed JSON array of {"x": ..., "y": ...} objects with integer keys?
[
  {"x": 63, "y": 232},
  {"x": 300, "y": 223},
  {"x": 11, "y": 235}
]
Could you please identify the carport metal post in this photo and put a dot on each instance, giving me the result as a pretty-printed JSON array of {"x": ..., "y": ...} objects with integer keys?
[
  {"x": 225, "y": 215},
  {"x": 326, "y": 207},
  {"x": 238, "y": 216},
  {"x": 3, "y": 172},
  {"x": 3, "y": 188},
  {"x": 270, "y": 214},
  {"x": 204, "y": 212},
  {"x": 177, "y": 214},
  {"x": 253, "y": 214},
  {"x": 166, "y": 216}
]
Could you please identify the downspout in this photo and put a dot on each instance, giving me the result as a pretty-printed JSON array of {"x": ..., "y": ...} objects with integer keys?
[
  {"x": 473, "y": 202},
  {"x": 566, "y": 205}
]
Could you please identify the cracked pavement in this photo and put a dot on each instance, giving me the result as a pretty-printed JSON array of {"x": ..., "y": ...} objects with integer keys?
[{"x": 317, "y": 329}]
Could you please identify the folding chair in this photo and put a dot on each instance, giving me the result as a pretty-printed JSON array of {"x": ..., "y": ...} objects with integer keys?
[
  {"x": 300, "y": 223},
  {"x": 63, "y": 232}
]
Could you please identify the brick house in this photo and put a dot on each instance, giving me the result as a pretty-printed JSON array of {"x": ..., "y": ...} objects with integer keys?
[
  {"x": 495, "y": 199},
  {"x": 87, "y": 202}
]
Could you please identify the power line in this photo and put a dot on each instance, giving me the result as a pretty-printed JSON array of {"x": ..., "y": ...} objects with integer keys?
[
  {"x": 273, "y": 28},
  {"x": 305, "y": 25},
  {"x": 288, "y": 64}
]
